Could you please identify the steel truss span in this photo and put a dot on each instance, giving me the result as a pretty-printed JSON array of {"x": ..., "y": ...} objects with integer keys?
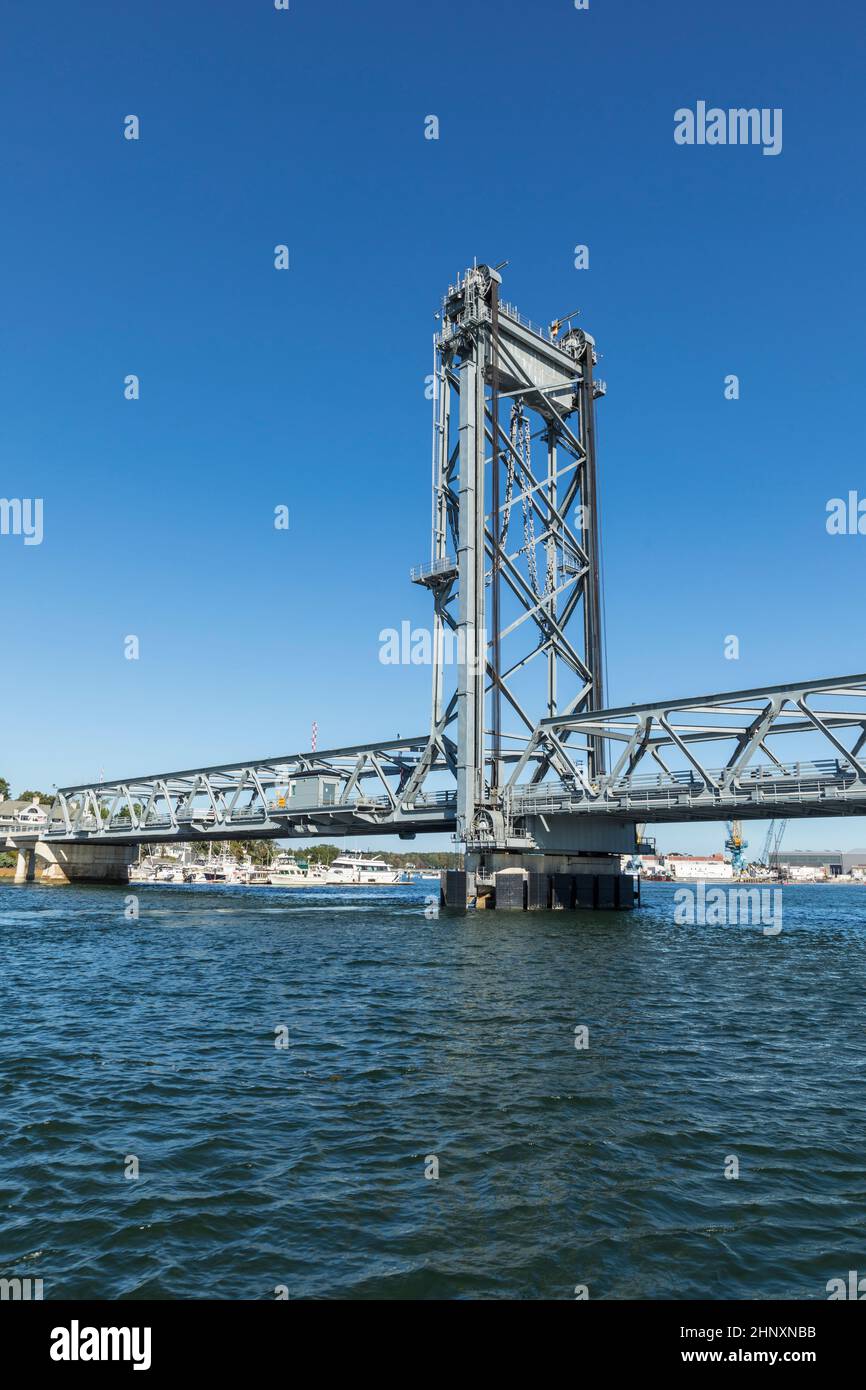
[
  {"x": 782, "y": 750},
  {"x": 365, "y": 789}
]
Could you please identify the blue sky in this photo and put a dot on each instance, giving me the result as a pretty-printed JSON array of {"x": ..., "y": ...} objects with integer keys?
[{"x": 306, "y": 387}]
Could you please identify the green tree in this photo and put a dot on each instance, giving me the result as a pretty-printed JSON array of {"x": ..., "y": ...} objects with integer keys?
[
  {"x": 42, "y": 797},
  {"x": 258, "y": 851},
  {"x": 4, "y": 789}
]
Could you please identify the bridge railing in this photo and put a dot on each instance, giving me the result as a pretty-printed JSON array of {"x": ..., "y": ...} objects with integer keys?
[
  {"x": 769, "y": 779},
  {"x": 446, "y": 564}
]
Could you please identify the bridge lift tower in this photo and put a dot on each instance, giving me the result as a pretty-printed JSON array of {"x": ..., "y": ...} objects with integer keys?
[{"x": 515, "y": 570}]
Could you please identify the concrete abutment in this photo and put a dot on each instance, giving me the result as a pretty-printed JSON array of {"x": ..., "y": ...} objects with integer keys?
[{"x": 74, "y": 863}]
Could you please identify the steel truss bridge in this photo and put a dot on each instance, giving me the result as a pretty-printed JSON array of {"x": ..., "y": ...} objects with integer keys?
[
  {"x": 755, "y": 754},
  {"x": 514, "y": 580}
]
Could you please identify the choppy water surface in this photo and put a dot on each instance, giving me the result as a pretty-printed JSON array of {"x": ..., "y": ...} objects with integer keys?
[{"x": 305, "y": 1166}]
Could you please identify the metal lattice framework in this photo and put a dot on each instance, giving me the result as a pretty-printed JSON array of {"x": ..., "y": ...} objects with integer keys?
[
  {"x": 793, "y": 750},
  {"x": 358, "y": 790},
  {"x": 515, "y": 564}
]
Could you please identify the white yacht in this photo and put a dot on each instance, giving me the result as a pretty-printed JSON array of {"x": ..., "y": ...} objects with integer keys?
[
  {"x": 286, "y": 872},
  {"x": 255, "y": 875},
  {"x": 354, "y": 868},
  {"x": 152, "y": 870},
  {"x": 171, "y": 874},
  {"x": 216, "y": 869},
  {"x": 143, "y": 872}
]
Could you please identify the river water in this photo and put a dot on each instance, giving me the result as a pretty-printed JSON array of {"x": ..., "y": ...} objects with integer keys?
[{"x": 286, "y": 1070}]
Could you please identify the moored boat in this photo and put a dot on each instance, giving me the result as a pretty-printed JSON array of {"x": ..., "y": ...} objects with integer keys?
[
  {"x": 360, "y": 869},
  {"x": 287, "y": 872}
]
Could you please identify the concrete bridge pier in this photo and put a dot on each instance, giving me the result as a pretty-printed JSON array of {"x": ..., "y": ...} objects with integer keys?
[
  {"x": 71, "y": 863},
  {"x": 571, "y": 864},
  {"x": 25, "y": 866},
  {"x": 540, "y": 883}
]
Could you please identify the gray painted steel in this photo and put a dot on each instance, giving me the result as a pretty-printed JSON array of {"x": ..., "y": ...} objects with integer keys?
[
  {"x": 518, "y": 603},
  {"x": 792, "y": 751}
]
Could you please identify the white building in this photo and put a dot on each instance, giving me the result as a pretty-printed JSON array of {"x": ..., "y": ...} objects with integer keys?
[
  {"x": 806, "y": 873},
  {"x": 697, "y": 867},
  {"x": 14, "y": 814}
]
